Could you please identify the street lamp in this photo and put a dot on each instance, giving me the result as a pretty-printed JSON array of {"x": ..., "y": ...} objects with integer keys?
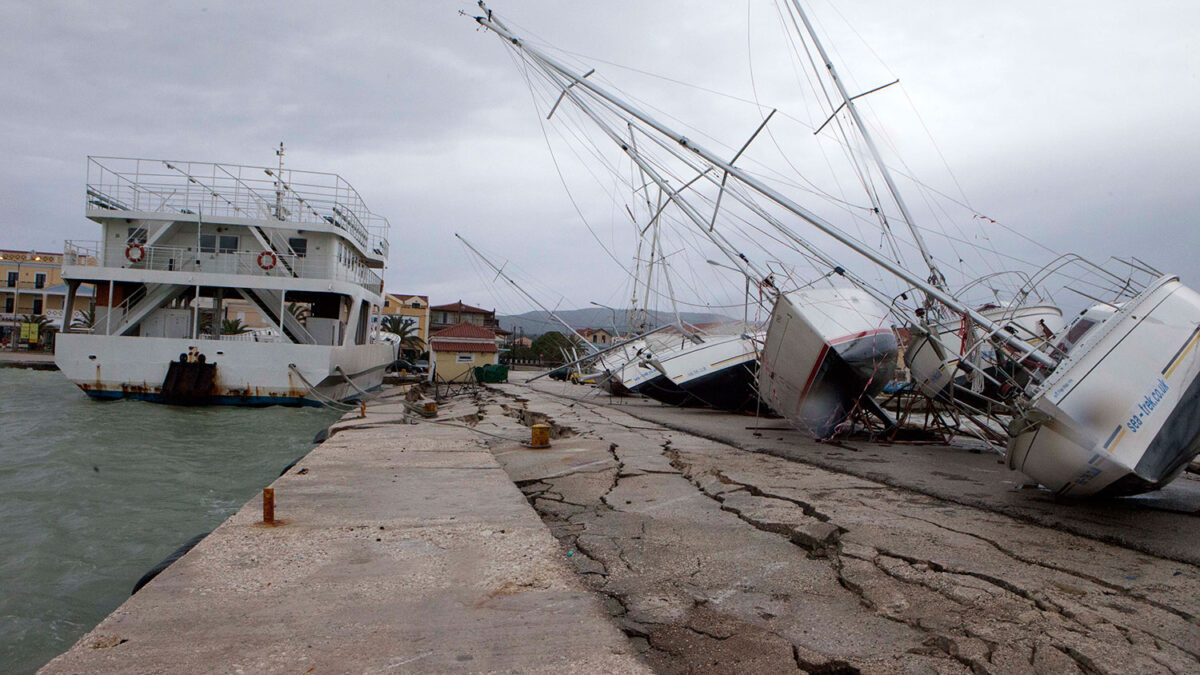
[{"x": 614, "y": 317}]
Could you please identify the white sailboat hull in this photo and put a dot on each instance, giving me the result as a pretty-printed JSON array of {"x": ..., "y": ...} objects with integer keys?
[
  {"x": 825, "y": 350},
  {"x": 1121, "y": 414},
  {"x": 934, "y": 363}
]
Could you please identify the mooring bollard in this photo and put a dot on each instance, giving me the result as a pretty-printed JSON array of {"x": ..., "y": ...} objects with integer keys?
[
  {"x": 269, "y": 506},
  {"x": 540, "y": 437},
  {"x": 430, "y": 408}
]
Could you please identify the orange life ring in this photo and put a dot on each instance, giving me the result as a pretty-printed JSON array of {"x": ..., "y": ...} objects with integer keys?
[
  {"x": 135, "y": 252},
  {"x": 267, "y": 260}
]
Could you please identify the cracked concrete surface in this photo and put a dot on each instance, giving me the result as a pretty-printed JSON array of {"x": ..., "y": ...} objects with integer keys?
[{"x": 716, "y": 559}]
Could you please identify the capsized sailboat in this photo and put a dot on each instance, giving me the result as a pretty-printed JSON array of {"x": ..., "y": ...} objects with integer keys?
[{"x": 1065, "y": 435}]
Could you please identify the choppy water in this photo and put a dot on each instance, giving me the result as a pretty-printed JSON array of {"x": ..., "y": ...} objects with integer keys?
[{"x": 93, "y": 494}]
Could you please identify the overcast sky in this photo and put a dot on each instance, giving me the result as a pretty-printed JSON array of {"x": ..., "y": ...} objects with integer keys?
[{"x": 1077, "y": 123}]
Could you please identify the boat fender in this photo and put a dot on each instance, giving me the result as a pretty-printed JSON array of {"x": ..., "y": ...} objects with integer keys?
[
  {"x": 135, "y": 252},
  {"x": 166, "y": 562},
  {"x": 267, "y": 260}
]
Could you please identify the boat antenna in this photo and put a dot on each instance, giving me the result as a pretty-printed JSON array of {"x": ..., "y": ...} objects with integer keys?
[{"x": 279, "y": 187}]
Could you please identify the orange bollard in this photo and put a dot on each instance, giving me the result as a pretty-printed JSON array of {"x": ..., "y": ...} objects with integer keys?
[
  {"x": 540, "y": 436},
  {"x": 269, "y": 506}
]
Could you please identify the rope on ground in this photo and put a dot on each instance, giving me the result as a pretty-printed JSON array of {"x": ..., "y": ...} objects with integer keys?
[{"x": 324, "y": 400}]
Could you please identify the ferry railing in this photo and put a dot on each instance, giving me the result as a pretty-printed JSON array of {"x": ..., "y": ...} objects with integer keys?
[
  {"x": 206, "y": 188},
  {"x": 245, "y": 263},
  {"x": 76, "y": 252}
]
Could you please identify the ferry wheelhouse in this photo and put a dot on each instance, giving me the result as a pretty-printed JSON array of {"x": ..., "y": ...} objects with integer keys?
[{"x": 184, "y": 242}]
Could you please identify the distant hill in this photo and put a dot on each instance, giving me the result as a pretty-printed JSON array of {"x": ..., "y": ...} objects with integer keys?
[{"x": 536, "y": 323}]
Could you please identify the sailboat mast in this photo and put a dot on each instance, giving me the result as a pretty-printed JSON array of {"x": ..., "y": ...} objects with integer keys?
[
  {"x": 935, "y": 275},
  {"x": 522, "y": 291},
  {"x": 579, "y": 82}
]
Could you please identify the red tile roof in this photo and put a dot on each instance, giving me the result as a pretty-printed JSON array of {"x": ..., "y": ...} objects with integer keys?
[
  {"x": 449, "y": 346},
  {"x": 460, "y": 307},
  {"x": 464, "y": 330}
]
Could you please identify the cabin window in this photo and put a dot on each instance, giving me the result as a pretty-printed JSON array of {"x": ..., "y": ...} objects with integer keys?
[
  {"x": 227, "y": 243},
  {"x": 299, "y": 246},
  {"x": 12, "y": 279},
  {"x": 137, "y": 235},
  {"x": 465, "y": 357},
  {"x": 208, "y": 243},
  {"x": 39, "y": 280}
]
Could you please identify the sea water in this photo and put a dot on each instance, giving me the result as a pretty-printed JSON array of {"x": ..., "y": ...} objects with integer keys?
[{"x": 93, "y": 494}]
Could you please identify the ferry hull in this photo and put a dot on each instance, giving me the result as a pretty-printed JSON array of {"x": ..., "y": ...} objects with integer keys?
[{"x": 247, "y": 373}]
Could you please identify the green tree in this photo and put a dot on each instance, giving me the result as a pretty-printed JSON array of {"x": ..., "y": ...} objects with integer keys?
[
  {"x": 301, "y": 312},
  {"x": 550, "y": 346},
  {"x": 233, "y": 327},
  {"x": 406, "y": 329},
  {"x": 46, "y": 329},
  {"x": 84, "y": 319}
]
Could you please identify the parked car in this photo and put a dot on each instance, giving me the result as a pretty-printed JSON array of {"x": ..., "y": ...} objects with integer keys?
[
  {"x": 422, "y": 365},
  {"x": 404, "y": 366}
]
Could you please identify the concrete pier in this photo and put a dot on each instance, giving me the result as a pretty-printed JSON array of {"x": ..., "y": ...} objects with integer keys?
[
  {"x": 652, "y": 538},
  {"x": 402, "y": 549}
]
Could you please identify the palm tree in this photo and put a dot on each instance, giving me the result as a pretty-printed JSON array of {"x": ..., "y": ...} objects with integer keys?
[
  {"x": 406, "y": 329},
  {"x": 85, "y": 319},
  {"x": 233, "y": 327},
  {"x": 45, "y": 328},
  {"x": 301, "y": 312}
]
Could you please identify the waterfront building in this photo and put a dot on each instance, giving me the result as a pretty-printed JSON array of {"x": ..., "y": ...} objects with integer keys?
[
  {"x": 414, "y": 308},
  {"x": 597, "y": 336},
  {"x": 31, "y": 283},
  {"x": 456, "y": 350},
  {"x": 445, "y": 316}
]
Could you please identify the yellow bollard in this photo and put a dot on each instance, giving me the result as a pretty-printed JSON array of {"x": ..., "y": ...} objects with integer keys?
[
  {"x": 430, "y": 408},
  {"x": 540, "y": 436},
  {"x": 269, "y": 506}
]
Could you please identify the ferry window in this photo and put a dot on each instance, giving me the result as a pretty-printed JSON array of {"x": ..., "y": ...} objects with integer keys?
[
  {"x": 228, "y": 243},
  {"x": 299, "y": 246},
  {"x": 465, "y": 357},
  {"x": 12, "y": 279},
  {"x": 37, "y": 305},
  {"x": 208, "y": 243},
  {"x": 137, "y": 235},
  {"x": 39, "y": 280}
]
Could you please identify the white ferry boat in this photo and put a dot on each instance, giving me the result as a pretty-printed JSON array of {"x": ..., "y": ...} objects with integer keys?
[{"x": 182, "y": 242}]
